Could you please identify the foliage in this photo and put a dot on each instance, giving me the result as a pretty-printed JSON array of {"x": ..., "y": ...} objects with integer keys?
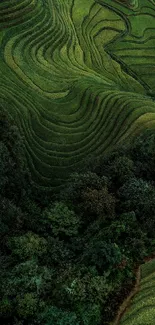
[
  {"x": 63, "y": 257},
  {"x": 142, "y": 152},
  {"x": 27, "y": 246},
  {"x": 98, "y": 202},
  {"x": 90, "y": 196},
  {"x": 24, "y": 289},
  {"x": 117, "y": 166},
  {"x": 90, "y": 314},
  {"x": 141, "y": 309},
  {"x": 55, "y": 316},
  {"x": 139, "y": 195},
  {"x": 61, "y": 220},
  {"x": 103, "y": 254}
]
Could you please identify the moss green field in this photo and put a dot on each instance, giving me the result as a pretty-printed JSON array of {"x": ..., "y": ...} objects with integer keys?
[{"x": 78, "y": 78}]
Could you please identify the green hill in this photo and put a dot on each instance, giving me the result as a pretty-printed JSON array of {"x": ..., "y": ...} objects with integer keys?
[
  {"x": 77, "y": 76},
  {"x": 142, "y": 309}
]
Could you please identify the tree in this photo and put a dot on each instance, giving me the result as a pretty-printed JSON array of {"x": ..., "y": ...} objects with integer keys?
[
  {"x": 119, "y": 170},
  {"x": 98, "y": 202},
  {"x": 56, "y": 316},
  {"x": 27, "y": 246},
  {"x": 15, "y": 180},
  {"x": 142, "y": 152},
  {"x": 90, "y": 196},
  {"x": 61, "y": 220},
  {"x": 138, "y": 195},
  {"x": 101, "y": 254},
  {"x": 24, "y": 288}
]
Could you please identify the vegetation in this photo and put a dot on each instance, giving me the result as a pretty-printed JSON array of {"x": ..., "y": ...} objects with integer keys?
[
  {"x": 77, "y": 157},
  {"x": 77, "y": 76},
  {"x": 70, "y": 258},
  {"x": 142, "y": 310}
]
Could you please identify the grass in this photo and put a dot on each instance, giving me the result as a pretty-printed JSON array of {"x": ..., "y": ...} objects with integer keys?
[{"x": 68, "y": 78}]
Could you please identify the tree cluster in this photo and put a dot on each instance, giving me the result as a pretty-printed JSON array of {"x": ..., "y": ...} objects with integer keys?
[{"x": 67, "y": 259}]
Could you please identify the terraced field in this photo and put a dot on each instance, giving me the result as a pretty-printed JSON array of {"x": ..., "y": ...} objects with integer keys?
[
  {"x": 77, "y": 76},
  {"x": 142, "y": 309}
]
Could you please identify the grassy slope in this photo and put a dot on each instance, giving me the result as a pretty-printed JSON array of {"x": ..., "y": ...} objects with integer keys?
[
  {"x": 61, "y": 79},
  {"x": 142, "y": 311}
]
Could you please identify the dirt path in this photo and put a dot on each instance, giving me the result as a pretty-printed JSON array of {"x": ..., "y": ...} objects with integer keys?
[{"x": 126, "y": 303}]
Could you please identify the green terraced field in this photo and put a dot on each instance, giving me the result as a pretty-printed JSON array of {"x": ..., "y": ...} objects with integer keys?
[
  {"x": 77, "y": 76},
  {"x": 142, "y": 309}
]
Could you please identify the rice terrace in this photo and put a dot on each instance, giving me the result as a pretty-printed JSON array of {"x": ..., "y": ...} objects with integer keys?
[
  {"x": 77, "y": 162},
  {"x": 77, "y": 77}
]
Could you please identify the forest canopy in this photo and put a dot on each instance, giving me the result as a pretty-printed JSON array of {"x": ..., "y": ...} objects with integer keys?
[{"x": 69, "y": 258}]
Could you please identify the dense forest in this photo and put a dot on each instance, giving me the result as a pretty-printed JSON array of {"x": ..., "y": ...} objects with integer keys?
[{"x": 70, "y": 258}]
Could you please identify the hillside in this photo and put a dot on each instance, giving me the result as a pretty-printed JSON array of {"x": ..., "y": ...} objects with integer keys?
[{"x": 77, "y": 76}]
